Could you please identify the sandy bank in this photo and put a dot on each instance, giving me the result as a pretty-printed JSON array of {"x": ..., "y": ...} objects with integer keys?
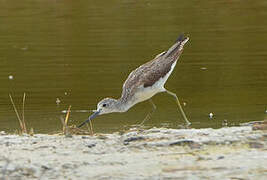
[{"x": 226, "y": 153}]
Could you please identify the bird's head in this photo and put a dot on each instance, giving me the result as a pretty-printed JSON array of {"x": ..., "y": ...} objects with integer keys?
[{"x": 105, "y": 106}]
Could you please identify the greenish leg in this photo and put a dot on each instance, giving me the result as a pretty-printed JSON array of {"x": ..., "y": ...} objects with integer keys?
[
  {"x": 179, "y": 106},
  {"x": 148, "y": 116}
]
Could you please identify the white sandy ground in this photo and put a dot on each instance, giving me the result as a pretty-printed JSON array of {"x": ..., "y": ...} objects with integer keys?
[{"x": 235, "y": 153}]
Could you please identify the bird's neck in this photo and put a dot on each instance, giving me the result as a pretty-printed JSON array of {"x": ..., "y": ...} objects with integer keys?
[{"x": 121, "y": 105}]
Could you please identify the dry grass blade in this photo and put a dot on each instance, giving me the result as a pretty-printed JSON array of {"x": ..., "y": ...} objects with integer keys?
[
  {"x": 65, "y": 128},
  {"x": 69, "y": 130},
  {"x": 91, "y": 128},
  {"x": 16, "y": 111},
  {"x": 23, "y": 108},
  {"x": 31, "y": 133},
  {"x": 65, "y": 123},
  {"x": 67, "y": 115}
]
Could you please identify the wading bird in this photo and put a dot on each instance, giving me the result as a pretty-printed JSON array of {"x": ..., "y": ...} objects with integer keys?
[{"x": 144, "y": 82}]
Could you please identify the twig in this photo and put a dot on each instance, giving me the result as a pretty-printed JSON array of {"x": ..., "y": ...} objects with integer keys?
[
  {"x": 91, "y": 128},
  {"x": 65, "y": 123},
  {"x": 23, "y": 107},
  {"x": 16, "y": 111}
]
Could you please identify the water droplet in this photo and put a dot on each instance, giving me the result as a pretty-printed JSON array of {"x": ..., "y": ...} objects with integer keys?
[
  {"x": 58, "y": 101},
  {"x": 211, "y": 115},
  {"x": 10, "y": 77},
  {"x": 25, "y": 48}
]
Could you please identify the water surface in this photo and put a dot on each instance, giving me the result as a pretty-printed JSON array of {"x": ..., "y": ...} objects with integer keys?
[{"x": 81, "y": 52}]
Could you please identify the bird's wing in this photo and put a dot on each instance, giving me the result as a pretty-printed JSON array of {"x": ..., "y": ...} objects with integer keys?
[
  {"x": 160, "y": 54},
  {"x": 145, "y": 75}
]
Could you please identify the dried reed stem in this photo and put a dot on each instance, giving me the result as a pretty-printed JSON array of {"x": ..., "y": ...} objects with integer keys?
[
  {"x": 23, "y": 108},
  {"x": 91, "y": 128},
  {"x": 64, "y": 126},
  {"x": 65, "y": 123},
  {"x": 22, "y": 126}
]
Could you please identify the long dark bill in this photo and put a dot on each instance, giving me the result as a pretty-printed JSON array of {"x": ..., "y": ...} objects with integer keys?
[{"x": 89, "y": 119}]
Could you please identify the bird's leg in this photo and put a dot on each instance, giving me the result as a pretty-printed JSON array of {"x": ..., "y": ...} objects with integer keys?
[
  {"x": 148, "y": 116},
  {"x": 179, "y": 106}
]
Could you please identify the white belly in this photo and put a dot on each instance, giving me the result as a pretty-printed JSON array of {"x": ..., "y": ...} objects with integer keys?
[{"x": 146, "y": 93}]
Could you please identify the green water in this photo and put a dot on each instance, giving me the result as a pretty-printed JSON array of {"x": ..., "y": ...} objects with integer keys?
[{"x": 82, "y": 51}]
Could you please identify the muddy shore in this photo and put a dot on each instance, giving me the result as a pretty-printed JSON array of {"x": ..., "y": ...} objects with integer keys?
[{"x": 157, "y": 153}]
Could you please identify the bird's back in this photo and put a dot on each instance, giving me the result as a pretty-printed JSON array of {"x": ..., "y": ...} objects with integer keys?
[{"x": 151, "y": 72}]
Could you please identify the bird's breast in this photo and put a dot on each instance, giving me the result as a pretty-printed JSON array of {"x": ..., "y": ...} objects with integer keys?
[{"x": 145, "y": 93}]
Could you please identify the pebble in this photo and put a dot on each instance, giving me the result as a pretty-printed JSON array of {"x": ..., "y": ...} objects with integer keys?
[
  {"x": 182, "y": 142},
  {"x": 135, "y": 138},
  {"x": 91, "y": 145},
  {"x": 220, "y": 157},
  {"x": 260, "y": 126},
  {"x": 45, "y": 167},
  {"x": 256, "y": 145}
]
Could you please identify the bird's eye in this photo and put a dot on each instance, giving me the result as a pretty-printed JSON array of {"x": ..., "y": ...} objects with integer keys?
[{"x": 104, "y": 105}]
